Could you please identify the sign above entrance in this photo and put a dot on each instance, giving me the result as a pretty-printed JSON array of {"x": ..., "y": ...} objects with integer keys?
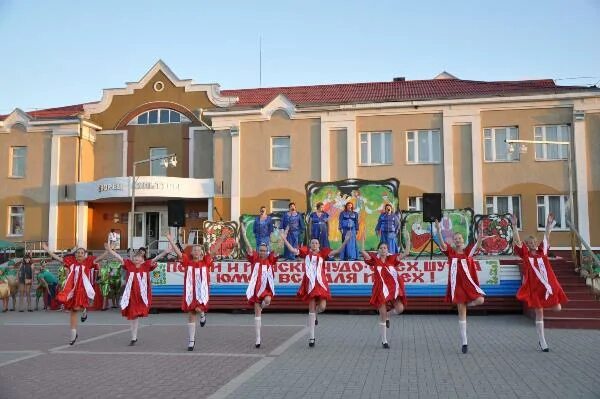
[{"x": 145, "y": 186}]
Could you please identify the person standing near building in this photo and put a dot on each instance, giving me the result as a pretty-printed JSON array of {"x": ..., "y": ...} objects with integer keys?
[
  {"x": 262, "y": 229},
  {"x": 137, "y": 296},
  {"x": 78, "y": 290},
  {"x": 319, "y": 226},
  {"x": 348, "y": 226},
  {"x": 388, "y": 287},
  {"x": 48, "y": 283},
  {"x": 314, "y": 288},
  {"x": 540, "y": 288},
  {"x": 387, "y": 229},
  {"x": 4, "y": 289},
  {"x": 293, "y": 224},
  {"x": 112, "y": 239},
  {"x": 463, "y": 285},
  {"x": 25, "y": 280},
  {"x": 261, "y": 287}
]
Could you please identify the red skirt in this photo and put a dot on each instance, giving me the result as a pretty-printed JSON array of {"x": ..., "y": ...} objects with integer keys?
[
  {"x": 318, "y": 291},
  {"x": 259, "y": 298},
  {"x": 194, "y": 306},
  {"x": 464, "y": 292},
  {"x": 79, "y": 300},
  {"x": 136, "y": 307},
  {"x": 377, "y": 296},
  {"x": 533, "y": 292}
]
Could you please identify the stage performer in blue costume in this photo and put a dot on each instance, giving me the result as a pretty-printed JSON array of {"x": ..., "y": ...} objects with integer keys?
[
  {"x": 293, "y": 224},
  {"x": 348, "y": 224},
  {"x": 387, "y": 229},
  {"x": 263, "y": 227},
  {"x": 319, "y": 226}
]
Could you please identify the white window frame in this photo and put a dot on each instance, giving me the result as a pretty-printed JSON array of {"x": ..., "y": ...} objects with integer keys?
[
  {"x": 431, "y": 150},
  {"x": 12, "y": 158},
  {"x": 418, "y": 203},
  {"x": 158, "y": 162},
  {"x": 562, "y": 148},
  {"x": 182, "y": 117},
  {"x": 365, "y": 137},
  {"x": 11, "y": 214},
  {"x": 273, "y": 209},
  {"x": 511, "y": 157},
  {"x": 510, "y": 198},
  {"x": 272, "y": 149},
  {"x": 564, "y": 204}
]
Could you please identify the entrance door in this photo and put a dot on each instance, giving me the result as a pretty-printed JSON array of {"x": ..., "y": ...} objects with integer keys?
[
  {"x": 138, "y": 235},
  {"x": 152, "y": 229}
]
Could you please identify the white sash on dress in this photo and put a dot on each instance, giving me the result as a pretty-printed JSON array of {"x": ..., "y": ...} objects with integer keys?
[
  {"x": 541, "y": 274},
  {"x": 453, "y": 272},
  {"x": 313, "y": 267},
  {"x": 142, "y": 278},
  {"x": 80, "y": 270}
]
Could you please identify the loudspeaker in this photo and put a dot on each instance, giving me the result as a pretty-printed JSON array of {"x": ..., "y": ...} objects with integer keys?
[
  {"x": 176, "y": 213},
  {"x": 432, "y": 207}
]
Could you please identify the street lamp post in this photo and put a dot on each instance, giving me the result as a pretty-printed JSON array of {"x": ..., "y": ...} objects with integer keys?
[
  {"x": 570, "y": 171},
  {"x": 166, "y": 161}
]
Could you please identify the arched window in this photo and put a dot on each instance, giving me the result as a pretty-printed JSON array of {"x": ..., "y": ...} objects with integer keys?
[{"x": 159, "y": 116}]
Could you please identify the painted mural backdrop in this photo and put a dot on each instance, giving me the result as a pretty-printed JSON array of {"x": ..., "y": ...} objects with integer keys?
[
  {"x": 368, "y": 197},
  {"x": 498, "y": 232},
  {"x": 276, "y": 241},
  {"x": 453, "y": 221},
  {"x": 220, "y": 238}
]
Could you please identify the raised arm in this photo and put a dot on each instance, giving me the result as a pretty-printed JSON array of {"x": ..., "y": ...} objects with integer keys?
[
  {"x": 341, "y": 248},
  {"x": 516, "y": 238},
  {"x": 442, "y": 244},
  {"x": 175, "y": 249},
  {"x": 103, "y": 255},
  {"x": 249, "y": 249},
  {"x": 549, "y": 225},
  {"x": 52, "y": 254},
  {"x": 164, "y": 253},
  {"x": 113, "y": 253},
  {"x": 288, "y": 245}
]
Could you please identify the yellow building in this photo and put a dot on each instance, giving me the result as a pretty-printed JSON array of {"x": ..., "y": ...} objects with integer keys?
[{"x": 68, "y": 172}]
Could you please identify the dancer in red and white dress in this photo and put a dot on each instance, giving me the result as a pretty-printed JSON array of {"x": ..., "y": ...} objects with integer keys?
[
  {"x": 540, "y": 288},
  {"x": 388, "y": 287},
  {"x": 314, "y": 288},
  {"x": 463, "y": 285},
  {"x": 261, "y": 287},
  {"x": 78, "y": 290},
  {"x": 137, "y": 295},
  {"x": 196, "y": 286}
]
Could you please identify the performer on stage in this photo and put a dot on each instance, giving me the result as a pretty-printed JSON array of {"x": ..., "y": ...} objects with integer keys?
[
  {"x": 314, "y": 288},
  {"x": 319, "y": 226},
  {"x": 261, "y": 288},
  {"x": 196, "y": 293},
  {"x": 348, "y": 226},
  {"x": 78, "y": 290},
  {"x": 387, "y": 229},
  {"x": 540, "y": 288},
  {"x": 137, "y": 296},
  {"x": 463, "y": 285},
  {"x": 293, "y": 224},
  {"x": 262, "y": 228},
  {"x": 388, "y": 287}
]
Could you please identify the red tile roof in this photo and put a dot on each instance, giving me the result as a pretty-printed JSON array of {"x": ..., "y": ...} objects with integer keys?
[
  {"x": 410, "y": 90},
  {"x": 376, "y": 92}
]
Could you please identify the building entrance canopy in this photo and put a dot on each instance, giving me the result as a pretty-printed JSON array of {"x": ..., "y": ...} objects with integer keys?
[{"x": 146, "y": 186}]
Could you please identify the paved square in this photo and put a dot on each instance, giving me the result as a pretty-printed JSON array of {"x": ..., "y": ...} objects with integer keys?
[{"x": 347, "y": 362}]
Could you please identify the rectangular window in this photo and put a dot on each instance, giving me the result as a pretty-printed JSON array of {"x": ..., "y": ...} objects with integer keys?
[
  {"x": 376, "y": 148},
  {"x": 16, "y": 220},
  {"x": 495, "y": 146},
  {"x": 415, "y": 203},
  {"x": 153, "y": 116},
  {"x": 164, "y": 116},
  {"x": 423, "y": 146},
  {"x": 156, "y": 167},
  {"x": 504, "y": 204},
  {"x": 280, "y": 205},
  {"x": 558, "y": 205},
  {"x": 548, "y": 152},
  {"x": 280, "y": 153},
  {"x": 18, "y": 156}
]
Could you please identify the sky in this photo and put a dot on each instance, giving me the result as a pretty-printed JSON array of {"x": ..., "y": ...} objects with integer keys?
[{"x": 61, "y": 52}]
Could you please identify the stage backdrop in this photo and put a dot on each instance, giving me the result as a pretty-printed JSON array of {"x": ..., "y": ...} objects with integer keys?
[{"x": 368, "y": 197}]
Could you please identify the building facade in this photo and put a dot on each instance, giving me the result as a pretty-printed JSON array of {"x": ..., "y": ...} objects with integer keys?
[{"x": 68, "y": 172}]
